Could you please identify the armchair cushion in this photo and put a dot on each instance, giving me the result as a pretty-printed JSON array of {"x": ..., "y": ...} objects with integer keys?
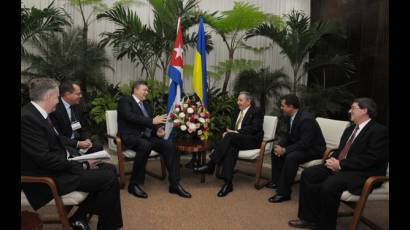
[
  {"x": 381, "y": 193},
  {"x": 131, "y": 153},
  {"x": 269, "y": 130},
  {"x": 72, "y": 198},
  {"x": 249, "y": 154}
]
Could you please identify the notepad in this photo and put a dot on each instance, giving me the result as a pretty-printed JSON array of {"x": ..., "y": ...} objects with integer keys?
[{"x": 101, "y": 155}]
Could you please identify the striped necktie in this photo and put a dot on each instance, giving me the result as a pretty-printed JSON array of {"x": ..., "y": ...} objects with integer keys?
[{"x": 343, "y": 153}]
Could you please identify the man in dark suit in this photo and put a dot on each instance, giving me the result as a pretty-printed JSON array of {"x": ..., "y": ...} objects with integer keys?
[
  {"x": 245, "y": 132},
  {"x": 303, "y": 142},
  {"x": 67, "y": 120},
  {"x": 363, "y": 152},
  {"x": 142, "y": 132},
  {"x": 43, "y": 154}
]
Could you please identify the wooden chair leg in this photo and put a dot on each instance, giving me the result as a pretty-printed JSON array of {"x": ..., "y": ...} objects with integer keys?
[
  {"x": 61, "y": 211},
  {"x": 358, "y": 211},
  {"x": 121, "y": 169},
  {"x": 258, "y": 174}
]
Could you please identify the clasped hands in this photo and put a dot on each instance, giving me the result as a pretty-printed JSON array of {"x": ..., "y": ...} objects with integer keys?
[
  {"x": 85, "y": 144},
  {"x": 332, "y": 164},
  {"x": 228, "y": 131},
  {"x": 278, "y": 150}
]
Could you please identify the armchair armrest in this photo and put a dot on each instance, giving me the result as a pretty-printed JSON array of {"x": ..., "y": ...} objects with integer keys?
[
  {"x": 371, "y": 181},
  {"x": 57, "y": 199},
  {"x": 40, "y": 179}
]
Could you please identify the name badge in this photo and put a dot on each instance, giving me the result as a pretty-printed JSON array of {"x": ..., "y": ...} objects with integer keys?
[{"x": 75, "y": 125}]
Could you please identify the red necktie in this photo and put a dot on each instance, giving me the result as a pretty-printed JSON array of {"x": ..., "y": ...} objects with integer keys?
[{"x": 343, "y": 153}]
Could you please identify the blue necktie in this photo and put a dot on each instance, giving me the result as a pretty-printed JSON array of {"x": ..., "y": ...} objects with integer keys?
[{"x": 147, "y": 131}]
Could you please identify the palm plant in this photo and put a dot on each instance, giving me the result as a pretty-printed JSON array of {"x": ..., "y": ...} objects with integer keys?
[
  {"x": 326, "y": 102},
  {"x": 36, "y": 23},
  {"x": 262, "y": 84},
  {"x": 231, "y": 26},
  {"x": 297, "y": 38},
  {"x": 151, "y": 47},
  {"x": 221, "y": 108},
  {"x": 65, "y": 56}
]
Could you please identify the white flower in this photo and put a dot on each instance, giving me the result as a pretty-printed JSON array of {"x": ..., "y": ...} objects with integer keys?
[
  {"x": 190, "y": 110},
  {"x": 181, "y": 115},
  {"x": 197, "y": 125},
  {"x": 199, "y": 132},
  {"x": 183, "y": 127},
  {"x": 177, "y": 121},
  {"x": 201, "y": 120},
  {"x": 185, "y": 105},
  {"x": 202, "y": 138},
  {"x": 177, "y": 110},
  {"x": 192, "y": 126}
]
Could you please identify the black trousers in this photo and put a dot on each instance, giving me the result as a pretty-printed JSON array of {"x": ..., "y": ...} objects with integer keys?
[
  {"x": 285, "y": 167},
  {"x": 166, "y": 149},
  {"x": 226, "y": 151},
  {"x": 320, "y": 192},
  {"x": 103, "y": 197}
]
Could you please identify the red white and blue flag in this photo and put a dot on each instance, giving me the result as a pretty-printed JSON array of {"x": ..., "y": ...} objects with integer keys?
[{"x": 175, "y": 74}]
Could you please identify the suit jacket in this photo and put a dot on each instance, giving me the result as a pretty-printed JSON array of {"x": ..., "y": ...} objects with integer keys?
[
  {"x": 305, "y": 136},
  {"x": 131, "y": 120},
  {"x": 62, "y": 123},
  {"x": 43, "y": 154},
  {"x": 367, "y": 156},
  {"x": 252, "y": 123}
]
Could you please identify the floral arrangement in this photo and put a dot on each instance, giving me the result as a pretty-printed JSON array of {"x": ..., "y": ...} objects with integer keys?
[{"x": 190, "y": 118}]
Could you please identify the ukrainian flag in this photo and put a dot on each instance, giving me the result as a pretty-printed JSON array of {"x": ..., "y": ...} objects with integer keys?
[{"x": 199, "y": 83}]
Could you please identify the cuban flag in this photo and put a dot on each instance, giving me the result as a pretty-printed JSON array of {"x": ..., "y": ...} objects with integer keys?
[{"x": 175, "y": 74}]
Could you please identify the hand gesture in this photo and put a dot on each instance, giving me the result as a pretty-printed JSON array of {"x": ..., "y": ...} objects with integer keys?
[
  {"x": 161, "y": 132},
  {"x": 160, "y": 119}
]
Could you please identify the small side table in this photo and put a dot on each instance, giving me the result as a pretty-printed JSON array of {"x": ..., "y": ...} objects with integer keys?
[
  {"x": 194, "y": 147},
  {"x": 30, "y": 221}
]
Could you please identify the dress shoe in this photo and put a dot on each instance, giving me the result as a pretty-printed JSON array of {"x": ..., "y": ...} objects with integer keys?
[
  {"x": 279, "y": 198},
  {"x": 303, "y": 224},
  {"x": 226, "y": 188},
  {"x": 178, "y": 189},
  {"x": 137, "y": 191},
  {"x": 271, "y": 185},
  {"x": 79, "y": 225},
  {"x": 206, "y": 168}
]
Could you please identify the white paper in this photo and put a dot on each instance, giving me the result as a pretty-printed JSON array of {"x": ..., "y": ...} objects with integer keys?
[{"x": 101, "y": 155}]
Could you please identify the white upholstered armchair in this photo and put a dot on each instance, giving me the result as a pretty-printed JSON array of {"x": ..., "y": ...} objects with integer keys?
[
  {"x": 124, "y": 155},
  {"x": 257, "y": 155},
  {"x": 63, "y": 203},
  {"x": 332, "y": 132}
]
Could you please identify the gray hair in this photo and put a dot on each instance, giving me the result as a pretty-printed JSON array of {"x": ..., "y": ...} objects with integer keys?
[
  {"x": 247, "y": 95},
  {"x": 38, "y": 87},
  {"x": 367, "y": 103}
]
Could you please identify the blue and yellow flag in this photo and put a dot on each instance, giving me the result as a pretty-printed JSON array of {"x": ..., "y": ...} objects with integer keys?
[{"x": 199, "y": 83}]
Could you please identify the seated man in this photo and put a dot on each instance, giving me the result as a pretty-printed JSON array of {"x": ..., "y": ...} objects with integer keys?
[
  {"x": 140, "y": 131},
  {"x": 303, "y": 142},
  {"x": 43, "y": 154},
  {"x": 363, "y": 152},
  {"x": 245, "y": 133},
  {"x": 67, "y": 120}
]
